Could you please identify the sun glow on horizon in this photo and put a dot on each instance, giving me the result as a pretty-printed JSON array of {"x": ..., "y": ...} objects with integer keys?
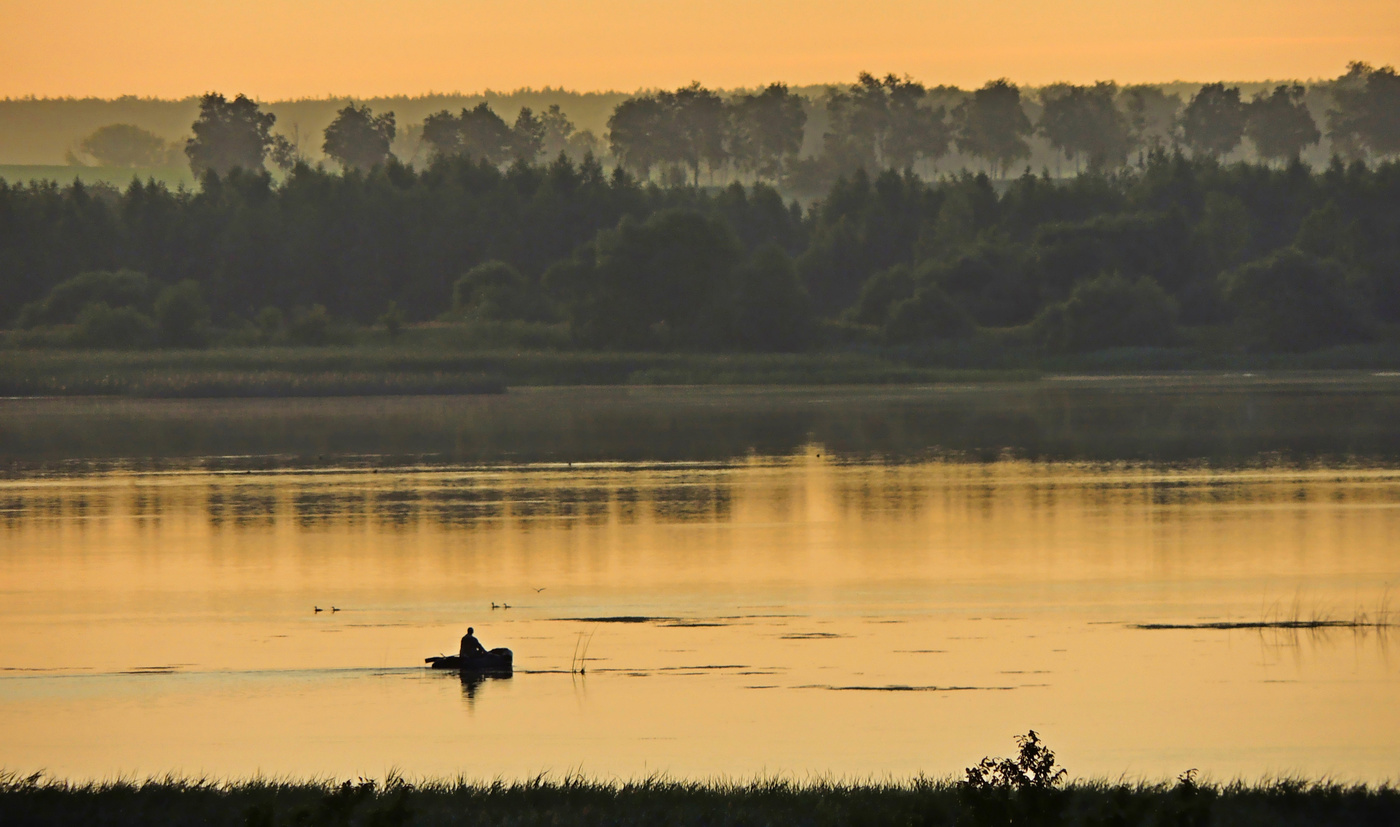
[{"x": 314, "y": 48}]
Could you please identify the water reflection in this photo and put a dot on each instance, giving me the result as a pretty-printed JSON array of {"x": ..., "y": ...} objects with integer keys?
[
  {"x": 596, "y": 496},
  {"x": 1223, "y": 420},
  {"x": 908, "y": 608},
  {"x": 472, "y": 682}
]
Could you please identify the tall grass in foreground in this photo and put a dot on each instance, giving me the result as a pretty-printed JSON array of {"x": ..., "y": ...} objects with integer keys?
[{"x": 572, "y": 800}]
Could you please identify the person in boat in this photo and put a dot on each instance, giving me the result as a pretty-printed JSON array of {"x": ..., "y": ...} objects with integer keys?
[{"x": 471, "y": 647}]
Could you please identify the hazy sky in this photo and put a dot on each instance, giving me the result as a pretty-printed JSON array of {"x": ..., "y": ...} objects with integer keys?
[{"x": 275, "y": 49}]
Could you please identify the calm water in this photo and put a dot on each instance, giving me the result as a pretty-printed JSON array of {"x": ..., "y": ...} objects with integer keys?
[{"x": 805, "y": 611}]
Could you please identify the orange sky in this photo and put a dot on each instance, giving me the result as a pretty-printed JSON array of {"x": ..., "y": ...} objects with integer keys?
[{"x": 275, "y": 49}]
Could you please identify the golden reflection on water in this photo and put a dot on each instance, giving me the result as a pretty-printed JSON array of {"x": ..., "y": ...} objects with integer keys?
[{"x": 798, "y": 615}]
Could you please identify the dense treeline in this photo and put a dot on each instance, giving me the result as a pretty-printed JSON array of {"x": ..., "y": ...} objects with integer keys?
[
  {"x": 1285, "y": 258},
  {"x": 801, "y": 140}
]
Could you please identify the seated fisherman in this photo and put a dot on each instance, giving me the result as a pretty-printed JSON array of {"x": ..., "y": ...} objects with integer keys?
[{"x": 471, "y": 647}]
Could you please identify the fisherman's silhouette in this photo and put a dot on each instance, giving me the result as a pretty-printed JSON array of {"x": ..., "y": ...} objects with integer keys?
[{"x": 471, "y": 647}]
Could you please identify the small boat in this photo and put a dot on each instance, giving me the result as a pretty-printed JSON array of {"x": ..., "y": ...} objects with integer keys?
[{"x": 496, "y": 660}]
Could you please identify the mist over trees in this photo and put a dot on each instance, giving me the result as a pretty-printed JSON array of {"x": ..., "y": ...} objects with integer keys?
[
  {"x": 125, "y": 145},
  {"x": 803, "y": 140}
]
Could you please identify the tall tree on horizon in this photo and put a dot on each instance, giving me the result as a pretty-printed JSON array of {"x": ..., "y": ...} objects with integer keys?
[
  {"x": 528, "y": 135},
  {"x": 1151, "y": 115},
  {"x": 636, "y": 133},
  {"x": 229, "y": 135},
  {"x": 1366, "y": 117},
  {"x": 1279, "y": 124},
  {"x": 358, "y": 138},
  {"x": 993, "y": 126},
  {"x": 881, "y": 123},
  {"x": 766, "y": 130},
  {"x": 1084, "y": 122},
  {"x": 696, "y": 128},
  {"x": 1212, "y": 124}
]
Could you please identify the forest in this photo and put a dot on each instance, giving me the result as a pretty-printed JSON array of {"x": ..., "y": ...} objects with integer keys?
[{"x": 695, "y": 240}]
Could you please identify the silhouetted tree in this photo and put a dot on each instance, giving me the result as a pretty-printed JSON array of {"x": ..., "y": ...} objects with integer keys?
[
  {"x": 442, "y": 132},
  {"x": 636, "y": 133},
  {"x": 485, "y": 136},
  {"x": 991, "y": 125},
  {"x": 1366, "y": 117},
  {"x": 1279, "y": 123},
  {"x": 359, "y": 138},
  {"x": 880, "y": 123},
  {"x": 478, "y": 133},
  {"x": 766, "y": 130},
  {"x": 1084, "y": 122},
  {"x": 1212, "y": 124},
  {"x": 560, "y": 135},
  {"x": 916, "y": 132},
  {"x": 124, "y": 145},
  {"x": 1151, "y": 115},
  {"x": 694, "y": 128},
  {"x": 528, "y": 135},
  {"x": 229, "y": 135}
]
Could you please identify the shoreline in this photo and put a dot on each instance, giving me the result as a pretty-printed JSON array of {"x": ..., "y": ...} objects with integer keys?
[{"x": 572, "y": 799}]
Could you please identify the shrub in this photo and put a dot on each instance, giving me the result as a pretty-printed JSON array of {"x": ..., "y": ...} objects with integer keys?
[
  {"x": 181, "y": 316},
  {"x": 393, "y": 320},
  {"x": 495, "y": 291},
  {"x": 1032, "y": 768},
  {"x": 880, "y": 292},
  {"x": 115, "y": 288},
  {"x": 114, "y": 328},
  {"x": 1293, "y": 301},
  {"x": 269, "y": 321},
  {"x": 310, "y": 327},
  {"x": 928, "y": 314},
  {"x": 1109, "y": 311}
]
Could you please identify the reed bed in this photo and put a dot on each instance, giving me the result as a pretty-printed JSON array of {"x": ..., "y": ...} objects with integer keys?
[{"x": 575, "y": 800}]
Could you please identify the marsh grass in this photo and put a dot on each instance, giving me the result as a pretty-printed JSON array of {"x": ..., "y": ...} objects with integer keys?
[
  {"x": 576, "y": 800},
  {"x": 390, "y": 370},
  {"x": 1381, "y": 618}
]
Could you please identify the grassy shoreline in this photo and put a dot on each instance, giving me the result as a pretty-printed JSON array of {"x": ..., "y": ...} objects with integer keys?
[
  {"x": 655, "y": 800},
  {"x": 439, "y": 359},
  {"x": 379, "y": 371}
]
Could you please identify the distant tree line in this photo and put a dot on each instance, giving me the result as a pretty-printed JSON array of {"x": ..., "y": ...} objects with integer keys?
[
  {"x": 802, "y": 145},
  {"x": 1283, "y": 257}
]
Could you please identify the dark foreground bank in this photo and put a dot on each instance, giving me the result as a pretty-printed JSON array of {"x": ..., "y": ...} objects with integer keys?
[{"x": 777, "y": 802}]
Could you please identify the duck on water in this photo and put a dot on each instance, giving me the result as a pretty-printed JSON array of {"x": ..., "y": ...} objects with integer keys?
[{"x": 472, "y": 656}]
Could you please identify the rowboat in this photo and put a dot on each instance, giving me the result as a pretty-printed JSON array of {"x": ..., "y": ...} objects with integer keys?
[{"x": 496, "y": 660}]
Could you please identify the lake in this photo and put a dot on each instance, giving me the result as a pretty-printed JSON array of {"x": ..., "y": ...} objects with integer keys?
[{"x": 704, "y": 583}]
